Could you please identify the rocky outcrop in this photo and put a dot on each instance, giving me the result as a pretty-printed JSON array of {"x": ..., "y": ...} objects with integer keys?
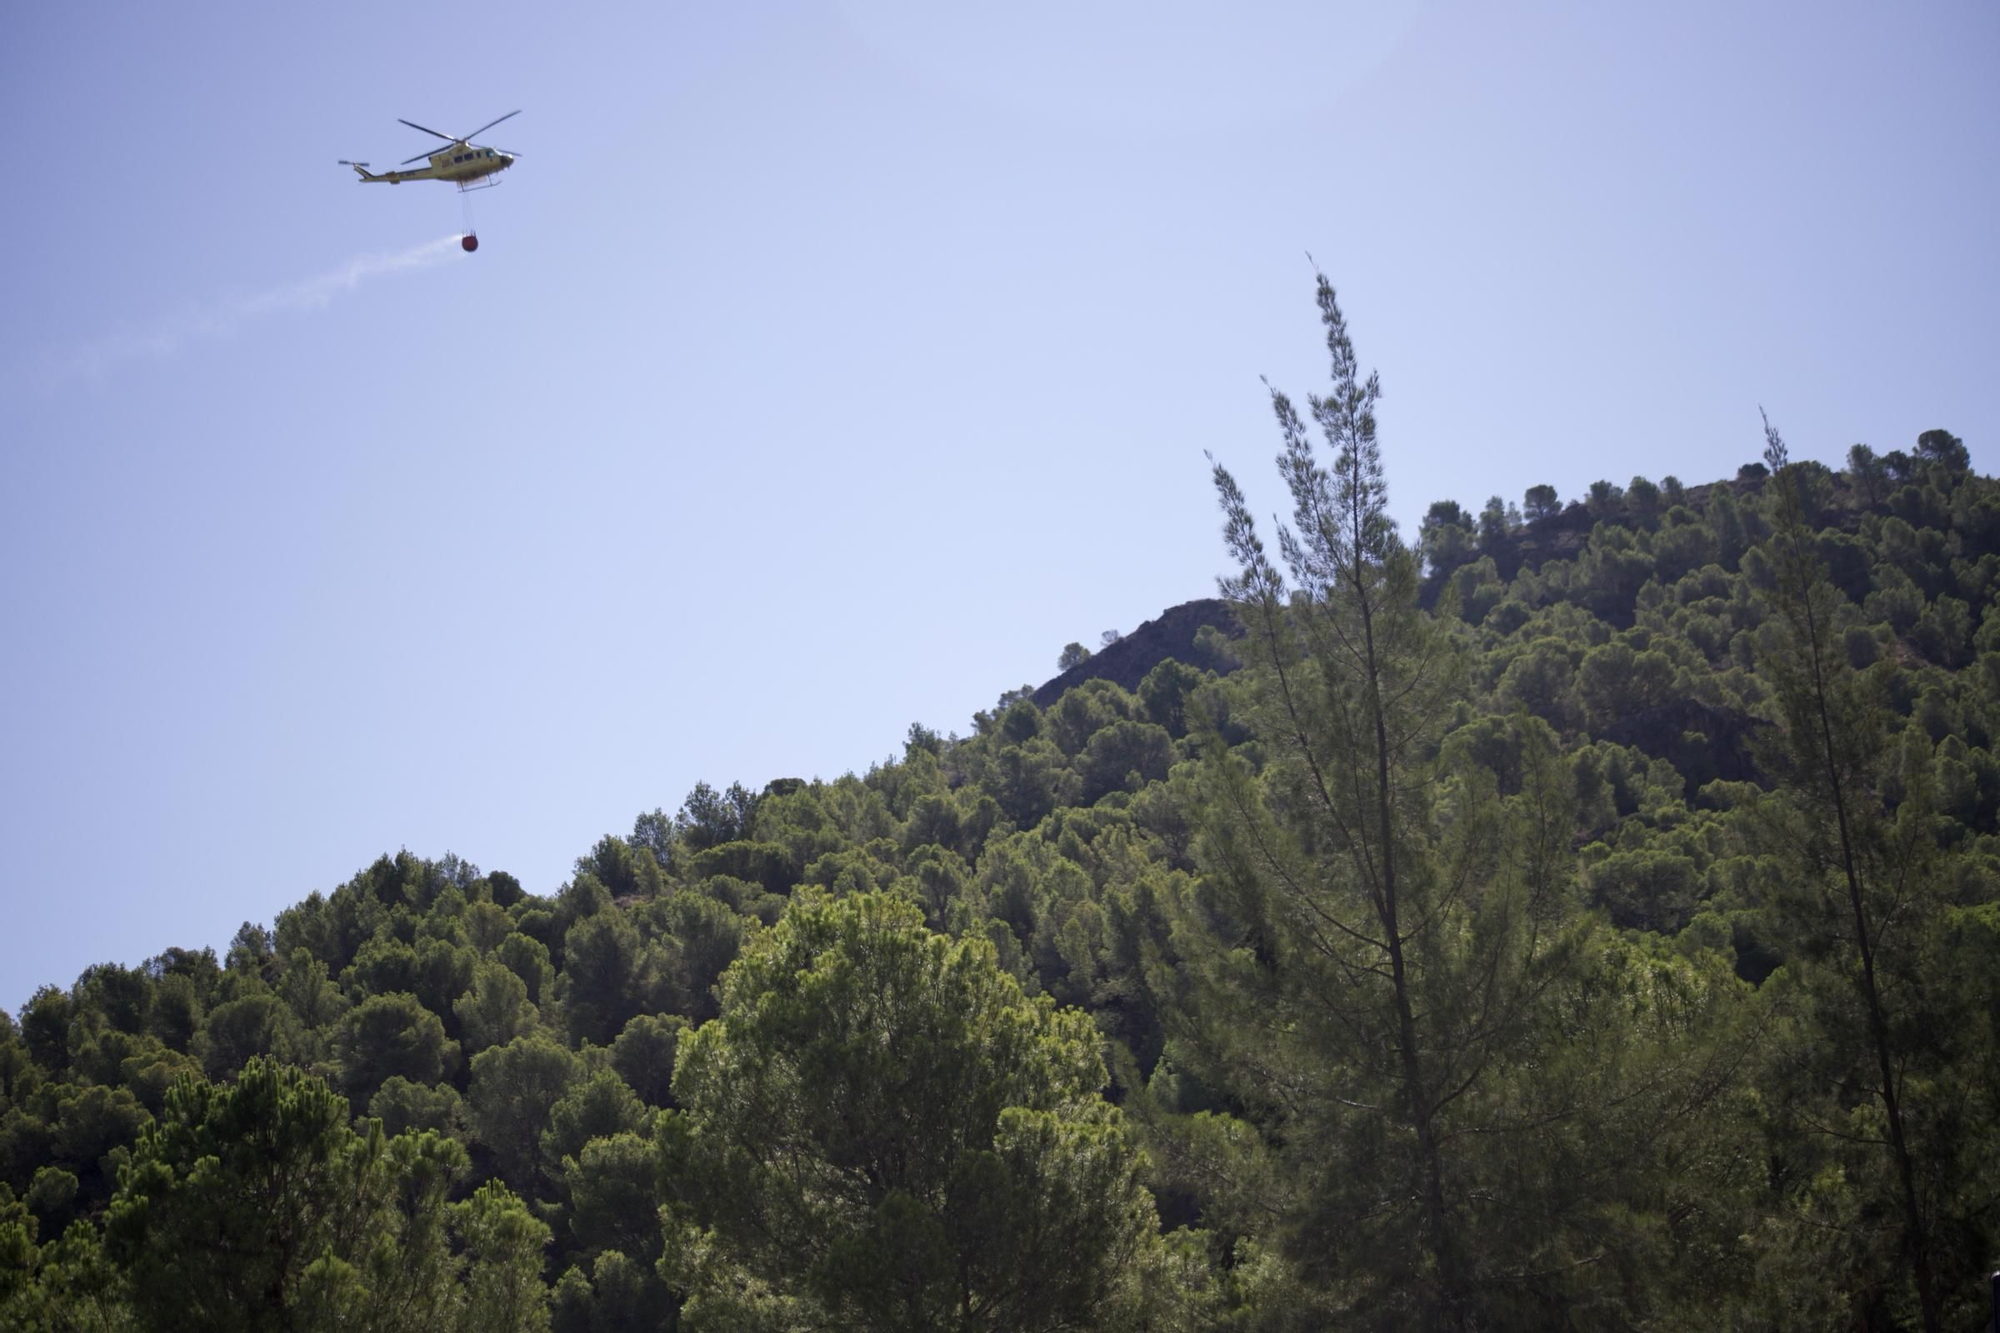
[{"x": 1174, "y": 634}]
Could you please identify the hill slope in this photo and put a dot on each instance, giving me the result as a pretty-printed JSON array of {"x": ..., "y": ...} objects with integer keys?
[{"x": 1623, "y": 653}]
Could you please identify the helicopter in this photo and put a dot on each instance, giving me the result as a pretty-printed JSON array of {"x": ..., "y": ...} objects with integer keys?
[
  {"x": 460, "y": 160},
  {"x": 468, "y": 165}
]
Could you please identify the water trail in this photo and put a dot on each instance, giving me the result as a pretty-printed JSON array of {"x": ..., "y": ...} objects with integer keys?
[{"x": 166, "y": 336}]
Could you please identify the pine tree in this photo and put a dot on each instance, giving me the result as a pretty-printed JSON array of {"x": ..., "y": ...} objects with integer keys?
[
  {"x": 882, "y": 1131},
  {"x": 1882, "y": 1161},
  {"x": 1386, "y": 968},
  {"x": 1391, "y": 944}
]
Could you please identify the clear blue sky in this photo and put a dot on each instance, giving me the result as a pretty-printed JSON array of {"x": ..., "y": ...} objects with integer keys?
[{"x": 826, "y": 367}]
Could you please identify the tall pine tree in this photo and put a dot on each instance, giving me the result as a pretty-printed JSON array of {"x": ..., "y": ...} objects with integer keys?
[
  {"x": 1386, "y": 967},
  {"x": 1881, "y": 1149}
]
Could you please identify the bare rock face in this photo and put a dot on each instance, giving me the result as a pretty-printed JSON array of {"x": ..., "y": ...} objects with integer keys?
[{"x": 1174, "y": 634}]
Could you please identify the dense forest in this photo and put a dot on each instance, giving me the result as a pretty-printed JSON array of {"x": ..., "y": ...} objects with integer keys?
[{"x": 1576, "y": 916}]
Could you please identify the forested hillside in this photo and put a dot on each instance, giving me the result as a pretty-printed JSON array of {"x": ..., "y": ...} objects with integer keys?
[{"x": 1577, "y": 916}]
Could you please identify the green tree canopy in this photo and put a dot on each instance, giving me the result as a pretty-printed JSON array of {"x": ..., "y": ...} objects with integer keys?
[
  {"x": 886, "y": 1133},
  {"x": 257, "y": 1206}
]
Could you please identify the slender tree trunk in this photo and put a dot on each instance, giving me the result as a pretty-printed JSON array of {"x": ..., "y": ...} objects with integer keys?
[
  {"x": 1437, "y": 1223},
  {"x": 1436, "y": 1219},
  {"x": 1802, "y": 578},
  {"x": 1878, "y": 1023}
]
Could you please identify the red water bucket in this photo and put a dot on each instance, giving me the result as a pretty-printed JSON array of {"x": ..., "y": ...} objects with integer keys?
[{"x": 469, "y": 241}]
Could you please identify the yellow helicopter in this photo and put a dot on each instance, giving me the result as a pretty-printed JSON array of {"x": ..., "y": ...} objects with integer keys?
[
  {"x": 468, "y": 165},
  {"x": 460, "y": 161}
]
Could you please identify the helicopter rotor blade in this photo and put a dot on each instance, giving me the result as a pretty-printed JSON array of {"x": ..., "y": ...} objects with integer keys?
[
  {"x": 418, "y": 158},
  {"x": 489, "y": 124},
  {"x": 413, "y": 125}
]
